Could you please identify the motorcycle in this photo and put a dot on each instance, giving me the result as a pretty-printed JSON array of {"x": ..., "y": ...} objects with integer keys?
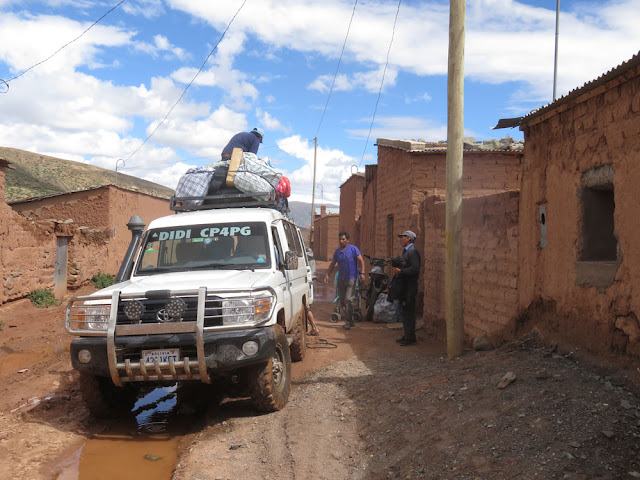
[{"x": 378, "y": 281}]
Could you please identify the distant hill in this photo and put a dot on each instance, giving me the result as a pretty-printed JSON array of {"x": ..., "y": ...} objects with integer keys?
[
  {"x": 36, "y": 175},
  {"x": 301, "y": 212}
]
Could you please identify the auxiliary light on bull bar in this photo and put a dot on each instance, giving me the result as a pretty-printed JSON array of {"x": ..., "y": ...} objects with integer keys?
[
  {"x": 133, "y": 309},
  {"x": 175, "y": 308}
]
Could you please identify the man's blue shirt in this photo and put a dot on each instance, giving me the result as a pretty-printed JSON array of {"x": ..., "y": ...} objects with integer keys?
[
  {"x": 347, "y": 262},
  {"x": 247, "y": 141}
]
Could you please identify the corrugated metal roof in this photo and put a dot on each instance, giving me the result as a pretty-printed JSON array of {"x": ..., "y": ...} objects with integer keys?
[
  {"x": 413, "y": 146},
  {"x": 612, "y": 74}
]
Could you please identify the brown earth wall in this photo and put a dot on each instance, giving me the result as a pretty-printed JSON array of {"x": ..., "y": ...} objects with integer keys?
[
  {"x": 89, "y": 219},
  {"x": 2, "y": 178},
  {"x": 351, "y": 206},
  {"x": 325, "y": 236},
  {"x": 367, "y": 224},
  {"x": 27, "y": 255},
  {"x": 603, "y": 128},
  {"x": 490, "y": 266},
  {"x": 404, "y": 179}
]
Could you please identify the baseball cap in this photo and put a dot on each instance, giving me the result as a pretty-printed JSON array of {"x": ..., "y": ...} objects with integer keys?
[
  {"x": 258, "y": 131},
  {"x": 408, "y": 233}
]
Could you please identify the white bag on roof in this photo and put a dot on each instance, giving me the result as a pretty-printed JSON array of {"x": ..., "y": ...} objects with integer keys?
[{"x": 255, "y": 176}]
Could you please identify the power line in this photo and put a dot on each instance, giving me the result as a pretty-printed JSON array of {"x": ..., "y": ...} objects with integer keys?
[
  {"x": 189, "y": 85},
  {"x": 62, "y": 47},
  {"x": 337, "y": 68},
  {"x": 381, "y": 83}
]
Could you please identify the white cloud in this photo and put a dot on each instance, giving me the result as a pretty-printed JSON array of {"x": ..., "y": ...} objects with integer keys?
[
  {"x": 369, "y": 81},
  {"x": 333, "y": 167},
  {"x": 161, "y": 45},
  {"x": 424, "y": 97},
  {"x": 146, "y": 8},
  {"x": 402, "y": 128}
]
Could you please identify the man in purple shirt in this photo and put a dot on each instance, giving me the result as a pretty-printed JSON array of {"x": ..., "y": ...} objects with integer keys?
[
  {"x": 247, "y": 141},
  {"x": 350, "y": 267}
]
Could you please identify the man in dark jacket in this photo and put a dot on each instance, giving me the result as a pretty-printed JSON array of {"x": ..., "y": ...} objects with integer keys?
[
  {"x": 247, "y": 141},
  {"x": 408, "y": 275}
]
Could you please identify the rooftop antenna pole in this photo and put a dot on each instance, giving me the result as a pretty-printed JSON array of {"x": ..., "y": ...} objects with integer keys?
[
  {"x": 313, "y": 190},
  {"x": 555, "y": 58},
  {"x": 455, "y": 133}
]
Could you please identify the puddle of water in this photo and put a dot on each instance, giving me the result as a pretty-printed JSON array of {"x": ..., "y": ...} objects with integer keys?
[
  {"x": 124, "y": 457},
  {"x": 150, "y": 452}
]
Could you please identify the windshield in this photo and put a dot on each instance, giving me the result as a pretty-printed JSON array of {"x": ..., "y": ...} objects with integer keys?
[{"x": 215, "y": 246}]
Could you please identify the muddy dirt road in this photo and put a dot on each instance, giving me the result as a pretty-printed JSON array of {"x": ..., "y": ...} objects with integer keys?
[{"x": 362, "y": 407}]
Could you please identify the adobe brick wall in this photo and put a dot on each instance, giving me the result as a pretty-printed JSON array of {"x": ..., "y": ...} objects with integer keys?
[
  {"x": 88, "y": 218},
  {"x": 405, "y": 178},
  {"x": 600, "y": 127},
  {"x": 490, "y": 265},
  {"x": 367, "y": 225},
  {"x": 27, "y": 255},
  {"x": 325, "y": 234},
  {"x": 351, "y": 206}
]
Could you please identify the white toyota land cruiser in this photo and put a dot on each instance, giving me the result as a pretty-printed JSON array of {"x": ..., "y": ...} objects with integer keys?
[{"x": 215, "y": 296}]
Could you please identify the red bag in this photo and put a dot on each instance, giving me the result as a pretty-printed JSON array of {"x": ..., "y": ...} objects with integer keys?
[{"x": 284, "y": 187}]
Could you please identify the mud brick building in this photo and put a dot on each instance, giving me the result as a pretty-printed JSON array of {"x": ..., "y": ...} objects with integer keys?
[
  {"x": 61, "y": 241},
  {"x": 579, "y": 224},
  {"x": 326, "y": 227},
  {"x": 351, "y": 205},
  {"x": 408, "y": 174}
]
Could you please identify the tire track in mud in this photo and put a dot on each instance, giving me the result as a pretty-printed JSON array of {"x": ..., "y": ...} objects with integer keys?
[{"x": 315, "y": 436}]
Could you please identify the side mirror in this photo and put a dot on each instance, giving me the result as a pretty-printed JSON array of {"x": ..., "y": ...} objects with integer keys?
[{"x": 290, "y": 260}]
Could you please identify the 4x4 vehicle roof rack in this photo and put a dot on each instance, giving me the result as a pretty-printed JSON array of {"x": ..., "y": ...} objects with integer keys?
[{"x": 227, "y": 200}]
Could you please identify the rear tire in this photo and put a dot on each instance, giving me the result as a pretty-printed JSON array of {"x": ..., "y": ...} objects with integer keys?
[
  {"x": 299, "y": 345},
  {"x": 371, "y": 303},
  {"x": 270, "y": 382},
  {"x": 104, "y": 399}
]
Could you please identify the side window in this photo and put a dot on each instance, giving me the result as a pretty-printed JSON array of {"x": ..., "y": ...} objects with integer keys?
[
  {"x": 296, "y": 239},
  {"x": 304, "y": 248},
  {"x": 279, "y": 254},
  {"x": 290, "y": 237}
]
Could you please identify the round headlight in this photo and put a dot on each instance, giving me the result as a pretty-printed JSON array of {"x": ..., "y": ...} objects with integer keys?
[{"x": 250, "y": 348}]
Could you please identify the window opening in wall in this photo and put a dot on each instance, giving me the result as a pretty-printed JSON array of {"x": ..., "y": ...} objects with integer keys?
[
  {"x": 599, "y": 254},
  {"x": 598, "y": 239}
]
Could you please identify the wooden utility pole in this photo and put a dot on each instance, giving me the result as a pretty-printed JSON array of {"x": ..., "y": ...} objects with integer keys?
[
  {"x": 313, "y": 191},
  {"x": 455, "y": 135}
]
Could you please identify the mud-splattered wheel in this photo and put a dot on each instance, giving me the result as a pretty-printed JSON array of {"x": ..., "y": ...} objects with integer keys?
[
  {"x": 104, "y": 399},
  {"x": 299, "y": 345},
  {"x": 270, "y": 382}
]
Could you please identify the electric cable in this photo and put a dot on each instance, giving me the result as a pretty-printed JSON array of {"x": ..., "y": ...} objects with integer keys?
[
  {"x": 381, "y": 84},
  {"x": 6, "y": 82},
  {"x": 337, "y": 68},
  {"x": 189, "y": 85}
]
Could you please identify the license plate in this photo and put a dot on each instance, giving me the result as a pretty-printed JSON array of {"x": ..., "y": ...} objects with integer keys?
[{"x": 163, "y": 355}]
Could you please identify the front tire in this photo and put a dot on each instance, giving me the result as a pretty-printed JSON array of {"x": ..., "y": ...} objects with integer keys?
[
  {"x": 270, "y": 382},
  {"x": 298, "y": 347},
  {"x": 104, "y": 399}
]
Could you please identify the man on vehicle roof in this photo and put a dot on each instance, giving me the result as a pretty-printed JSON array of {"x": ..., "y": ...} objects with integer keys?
[{"x": 247, "y": 141}]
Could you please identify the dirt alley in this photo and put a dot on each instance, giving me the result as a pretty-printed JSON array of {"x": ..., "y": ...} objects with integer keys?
[{"x": 361, "y": 407}]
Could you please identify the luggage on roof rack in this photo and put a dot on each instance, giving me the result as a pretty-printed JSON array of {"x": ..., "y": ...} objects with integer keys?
[
  {"x": 243, "y": 181},
  {"x": 230, "y": 198}
]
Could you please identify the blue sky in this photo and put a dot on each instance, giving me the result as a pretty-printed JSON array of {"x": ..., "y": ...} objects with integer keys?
[{"x": 98, "y": 99}]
